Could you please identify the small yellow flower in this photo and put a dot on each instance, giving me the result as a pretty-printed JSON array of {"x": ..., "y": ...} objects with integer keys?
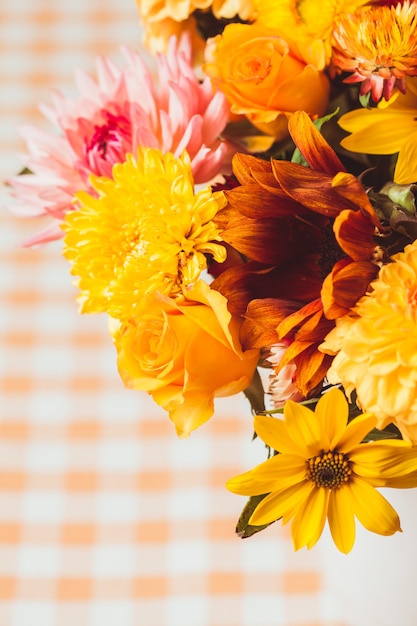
[
  {"x": 324, "y": 471},
  {"x": 146, "y": 231},
  {"x": 376, "y": 347},
  {"x": 379, "y": 45}
]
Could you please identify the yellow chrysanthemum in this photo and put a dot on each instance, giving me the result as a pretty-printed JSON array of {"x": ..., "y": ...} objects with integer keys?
[
  {"x": 389, "y": 128},
  {"x": 305, "y": 25},
  {"x": 379, "y": 47},
  {"x": 146, "y": 231},
  {"x": 377, "y": 346},
  {"x": 161, "y": 20},
  {"x": 324, "y": 471}
]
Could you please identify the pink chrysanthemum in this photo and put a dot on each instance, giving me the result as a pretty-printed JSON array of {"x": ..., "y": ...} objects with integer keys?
[{"x": 124, "y": 109}]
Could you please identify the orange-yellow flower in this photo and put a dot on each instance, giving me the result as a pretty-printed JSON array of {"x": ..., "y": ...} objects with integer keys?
[
  {"x": 161, "y": 20},
  {"x": 262, "y": 79},
  {"x": 306, "y": 25},
  {"x": 184, "y": 352},
  {"x": 376, "y": 346},
  {"x": 379, "y": 46},
  {"x": 324, "y": 471}
]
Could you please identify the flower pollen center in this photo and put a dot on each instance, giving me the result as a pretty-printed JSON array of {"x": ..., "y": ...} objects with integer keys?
[
  {"x": 109, "y": 142},
  {"x": 329, "y": 252},
  {"x": 329, "y": 469}
]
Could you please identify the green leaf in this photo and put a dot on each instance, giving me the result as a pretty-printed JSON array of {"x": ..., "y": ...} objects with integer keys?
[
  {"x": 243, "y": 528},
  {"x": 390, "y": 432},
  {"x": 255, "y": 393},
  {"x": 364, "y": 100}
]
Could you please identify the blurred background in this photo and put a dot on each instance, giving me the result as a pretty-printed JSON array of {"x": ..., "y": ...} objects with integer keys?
[{"x": 106, "y": 518}]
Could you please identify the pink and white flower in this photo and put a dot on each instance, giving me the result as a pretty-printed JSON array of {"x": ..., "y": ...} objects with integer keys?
[
  {"x": 116, "y": 113},
  {"x": 281, "y": 382}
]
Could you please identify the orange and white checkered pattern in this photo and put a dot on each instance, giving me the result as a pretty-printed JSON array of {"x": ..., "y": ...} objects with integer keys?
[{"x": 106, "y": 518}]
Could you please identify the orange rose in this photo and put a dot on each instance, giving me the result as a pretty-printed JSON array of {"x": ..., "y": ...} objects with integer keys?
[
  {"x": 184, "y": 352},
  {"x": 262, "y": 78}
]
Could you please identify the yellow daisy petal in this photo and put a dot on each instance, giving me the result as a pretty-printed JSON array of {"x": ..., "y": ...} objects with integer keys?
[
  {"x": 279, "y": 505},
  {"x": 341, "y": 520},
  {"x": 355, "y": 432},
  {"x": 371, "y": 508},
  {"x": 376, "y": 133},
  {"x": 309, "y": 520},
  {"x": 406, "y": 166},
  {"x": 276, "y": 474},
  {"x": 273, "y": 431},
  {"x": 332, "y": 410},
  {"x": 303, "y": 428},
  {"x": 387, "y": 464}
]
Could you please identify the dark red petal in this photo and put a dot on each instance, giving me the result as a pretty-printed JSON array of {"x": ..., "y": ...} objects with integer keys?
[
  {"x": 262, "y": 317},
  {"x": 310, "y": 188},
  {"x": 272, "y": 241},
  {"x": 298, "y": 280},
  {"x": 346, "y": 284},
  {"x": 255, "y": 202},
  {"x": 296, "y": 319}
]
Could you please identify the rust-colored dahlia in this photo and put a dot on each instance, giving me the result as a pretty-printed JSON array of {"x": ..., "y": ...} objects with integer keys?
[{"x": 307, "y": 235}]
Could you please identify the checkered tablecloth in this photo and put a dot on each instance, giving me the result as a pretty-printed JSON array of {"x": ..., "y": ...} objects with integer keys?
[{"x": 106, "y": 518}]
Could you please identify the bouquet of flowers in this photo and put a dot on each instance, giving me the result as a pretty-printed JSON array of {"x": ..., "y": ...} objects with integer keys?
[{"x": 245, "y": 214}]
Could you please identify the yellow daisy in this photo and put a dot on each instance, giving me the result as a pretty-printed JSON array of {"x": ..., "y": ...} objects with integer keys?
[
  {"x": 324, "y": 471},
  {"x": 376, "y": 347},
  {"x": 389, "y": 128},
  {"x": 145, "y": 231}
]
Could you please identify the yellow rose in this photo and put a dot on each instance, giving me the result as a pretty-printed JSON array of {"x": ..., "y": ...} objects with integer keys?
[
  {"x": 184, "y": 352},
  {"x": 262, "y": 78}
]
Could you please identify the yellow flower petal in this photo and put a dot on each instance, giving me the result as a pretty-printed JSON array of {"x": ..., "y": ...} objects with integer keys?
[
  {"x": 283, "y": 504},
  {"x": 276, "y": 474},
  {"x": 341, "y": 519},
  {"x": 406, "y": 166},
  {"x": 371, "y": 508},
  {"x": 386, "y": 463},
  {"x": 355, "y": 432},
  {"x": 381, "y": 135},
  {"x": 303, "y": 428},
  {"x": 273, "y": 431},
  {"x": 332, "y": 410},
  {"x": 309, "y": 520}
]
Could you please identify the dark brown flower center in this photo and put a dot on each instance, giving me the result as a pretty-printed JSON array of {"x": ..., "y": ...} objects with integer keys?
[
  {"x": 329, "y": 469},
  {"x": 329, "y": 251}
]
